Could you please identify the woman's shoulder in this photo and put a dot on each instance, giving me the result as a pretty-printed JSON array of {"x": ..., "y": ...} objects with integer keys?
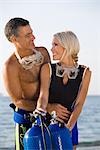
[
  {"x": 84, "y": 67},
  {"x": 86, "y": 70}
]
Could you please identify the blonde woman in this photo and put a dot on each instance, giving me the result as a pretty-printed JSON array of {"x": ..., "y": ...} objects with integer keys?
[{"x": 69, "y": 81}]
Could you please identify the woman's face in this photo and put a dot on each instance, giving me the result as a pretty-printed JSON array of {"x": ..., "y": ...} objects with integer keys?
[{"x": 57, "y": 49}]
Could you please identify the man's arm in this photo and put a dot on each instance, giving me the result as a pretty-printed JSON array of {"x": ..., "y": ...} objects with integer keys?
[
  {"x": 13, "y": 87},
  {"x": 45, "y": 77},
  {"x": 61, "y": 112}
]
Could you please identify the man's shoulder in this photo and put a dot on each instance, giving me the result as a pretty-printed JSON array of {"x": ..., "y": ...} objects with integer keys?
[
  {"x": 45, "y": 53},
  {"x": 10, "y": 63},
  {"x": 42, "y": 48}
]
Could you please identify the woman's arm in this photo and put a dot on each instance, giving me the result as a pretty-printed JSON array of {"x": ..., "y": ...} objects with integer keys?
[{"x": 80, "y": 99}]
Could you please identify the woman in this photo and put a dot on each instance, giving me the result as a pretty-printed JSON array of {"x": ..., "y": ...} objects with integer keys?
[{"x": 69, "y": 82}]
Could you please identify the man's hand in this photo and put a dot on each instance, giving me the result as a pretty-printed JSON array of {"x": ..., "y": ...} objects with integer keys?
[
  {"x": 39, "y": 111},
  {"x": 46, "y": 117},
  {"x": 61, "y": 112}
]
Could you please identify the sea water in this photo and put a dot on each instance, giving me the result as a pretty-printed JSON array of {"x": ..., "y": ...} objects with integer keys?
[{"x": 88, "y": 123}]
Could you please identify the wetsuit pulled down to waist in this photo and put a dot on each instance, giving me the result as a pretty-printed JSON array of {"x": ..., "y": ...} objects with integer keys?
[{"x": 22, "y": 124}]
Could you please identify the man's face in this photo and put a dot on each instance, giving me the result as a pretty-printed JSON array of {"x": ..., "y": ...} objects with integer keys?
[{"x": 25, "y": 38}]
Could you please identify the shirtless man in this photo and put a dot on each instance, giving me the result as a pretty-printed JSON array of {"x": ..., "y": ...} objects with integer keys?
[{"x": 25, "y": 68}]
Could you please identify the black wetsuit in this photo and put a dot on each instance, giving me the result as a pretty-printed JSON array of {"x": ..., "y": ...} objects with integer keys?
[{"x": 65, "y": 94}]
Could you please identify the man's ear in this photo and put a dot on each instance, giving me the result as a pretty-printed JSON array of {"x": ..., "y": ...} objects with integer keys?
[{"x": 13, "y": 38}]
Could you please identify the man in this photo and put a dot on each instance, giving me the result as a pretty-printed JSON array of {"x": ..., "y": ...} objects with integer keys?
[{"x": 26, "y": 72}]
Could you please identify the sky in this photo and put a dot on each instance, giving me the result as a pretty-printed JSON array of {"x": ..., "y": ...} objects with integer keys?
[{"x": 48, "y": 17}]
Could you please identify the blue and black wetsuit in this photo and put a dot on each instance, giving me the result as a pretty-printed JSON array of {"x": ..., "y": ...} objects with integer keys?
[
  {"x": 22, "y": 124},
  {"x": 21, "y": 128}
]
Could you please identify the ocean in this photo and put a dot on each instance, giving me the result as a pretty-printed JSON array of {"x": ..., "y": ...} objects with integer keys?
[{"x": 88, "y": 123}]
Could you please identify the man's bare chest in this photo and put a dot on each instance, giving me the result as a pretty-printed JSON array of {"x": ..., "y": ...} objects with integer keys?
[{"x": 29, "y": 76}]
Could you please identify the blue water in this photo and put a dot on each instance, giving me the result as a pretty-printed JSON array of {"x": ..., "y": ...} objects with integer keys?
[{"x": 88, "y": 123}]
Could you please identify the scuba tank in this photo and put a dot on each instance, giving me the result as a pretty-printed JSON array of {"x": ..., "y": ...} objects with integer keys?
[
  {"x": 60, "y": 135},
  {"x": 37, "y": 137}
]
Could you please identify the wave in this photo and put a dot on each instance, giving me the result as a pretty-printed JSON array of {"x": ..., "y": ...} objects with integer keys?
[
  {"x": 89, "y": 144},
  {"x": 10, "y": 148}
]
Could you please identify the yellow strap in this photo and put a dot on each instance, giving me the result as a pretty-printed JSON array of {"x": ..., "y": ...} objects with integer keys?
[{"x": 17, "y": 137}]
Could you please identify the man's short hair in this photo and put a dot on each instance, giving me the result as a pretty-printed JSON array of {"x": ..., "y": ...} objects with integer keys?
[{"x": 12, "y": 26}]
